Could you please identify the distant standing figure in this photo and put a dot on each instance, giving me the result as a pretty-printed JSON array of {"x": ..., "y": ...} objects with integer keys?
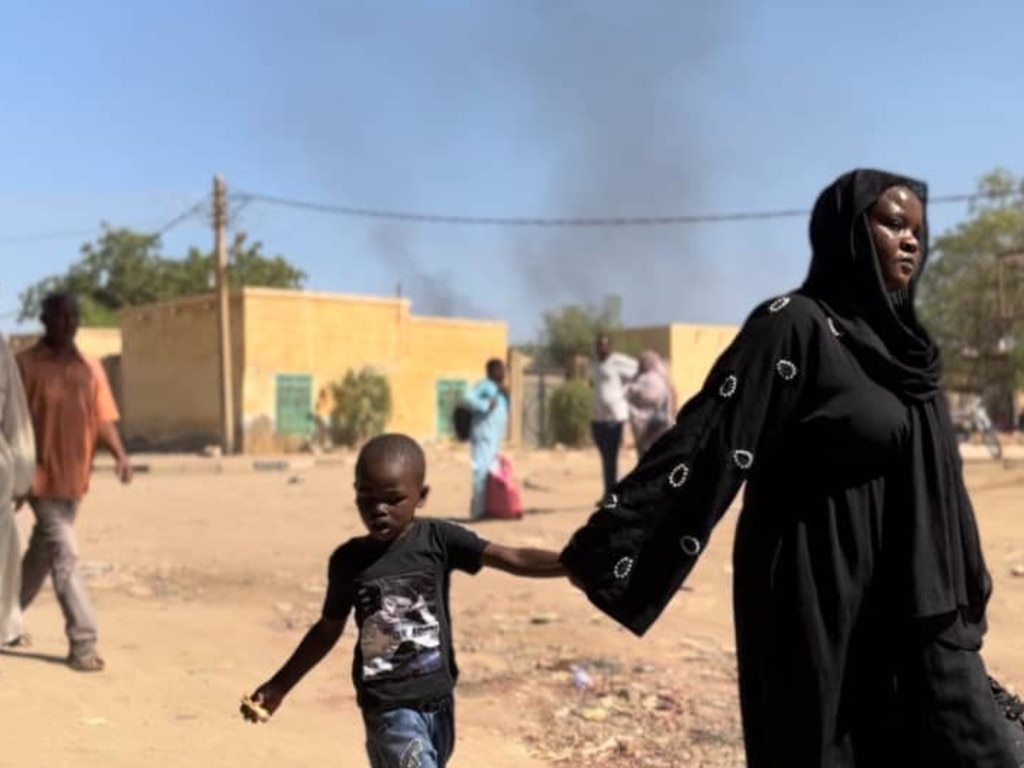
[
  {"x": 321, "y": 418},
  {"x": 489, "y": 402},
  {"x": 72, "y": 409},
  {"x": 17, "y": 463},
  {"x": 652, "y": 402},
  {"x": 610, "y": 373}
]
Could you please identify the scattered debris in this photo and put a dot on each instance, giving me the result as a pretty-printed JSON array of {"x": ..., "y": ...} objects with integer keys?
[
  {"x": 270, "y": 465},
  {"x": 581, "y": 681},
  {"x": 544, "y": 618},
  {"x": 604, "y": 712}
]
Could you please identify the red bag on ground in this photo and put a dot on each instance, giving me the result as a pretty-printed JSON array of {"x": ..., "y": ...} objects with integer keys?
[{"x": 502, "y": 499}]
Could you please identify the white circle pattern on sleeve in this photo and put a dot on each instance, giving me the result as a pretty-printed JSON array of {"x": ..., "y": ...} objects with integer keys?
[
  {"x": 623, "y": 568},
  {"x": 786, "y": 369},
  {"x": 743, "y": 459},
  {"x": 678, "y": 475},
  {"x": 690, "y": 545}
]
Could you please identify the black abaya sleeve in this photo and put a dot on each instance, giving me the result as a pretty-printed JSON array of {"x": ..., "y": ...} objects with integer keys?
[{"x": 635, "y": 551}]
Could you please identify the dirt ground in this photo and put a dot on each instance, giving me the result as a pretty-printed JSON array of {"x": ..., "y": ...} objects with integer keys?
[{"x": 206, "y": 581}]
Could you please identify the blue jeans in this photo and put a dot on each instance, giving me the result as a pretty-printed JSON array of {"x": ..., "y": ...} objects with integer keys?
[
  {"x": 608, "y": 439},
  {"x": 411, "y": 738}
]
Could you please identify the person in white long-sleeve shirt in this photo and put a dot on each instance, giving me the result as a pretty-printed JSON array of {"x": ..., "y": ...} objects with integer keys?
[
  {"x": 610, "y": 372},
  {"x": 17, "y": 467}
]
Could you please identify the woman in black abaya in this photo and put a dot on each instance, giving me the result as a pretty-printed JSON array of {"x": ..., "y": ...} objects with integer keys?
[{"x": 860, "y": 587}]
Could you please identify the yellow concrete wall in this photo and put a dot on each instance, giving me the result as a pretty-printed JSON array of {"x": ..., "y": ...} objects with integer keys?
[
  {"x": 694, "y": 350},
  {"x": 326, "y": 335},
  {"x": 442, "y": 348},
  {"x": 171, "y": 373},
  {"x": 636, "y": 340},
  {"x": 310, "y": 333}
]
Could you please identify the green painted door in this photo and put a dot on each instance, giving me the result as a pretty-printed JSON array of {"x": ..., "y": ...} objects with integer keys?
[
  {"x": 449, "y": 393},
  {"x": 294, "y": 403}
]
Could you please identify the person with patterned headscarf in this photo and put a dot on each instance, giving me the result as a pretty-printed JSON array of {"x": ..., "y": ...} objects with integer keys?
[{"x": 652, "y": 401}]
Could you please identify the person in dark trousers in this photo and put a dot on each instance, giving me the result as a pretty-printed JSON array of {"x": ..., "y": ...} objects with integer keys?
[
  {"x": 860, "y": 589},
  {"x": 610, "y": 373},
  {"x": 396, "y": 581}
]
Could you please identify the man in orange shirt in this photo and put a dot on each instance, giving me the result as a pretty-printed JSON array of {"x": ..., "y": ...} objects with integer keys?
[{"x": 72, "y": 410}]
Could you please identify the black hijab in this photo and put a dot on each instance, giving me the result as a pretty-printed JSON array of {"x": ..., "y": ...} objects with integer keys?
[{"x": 938, "y": 552}]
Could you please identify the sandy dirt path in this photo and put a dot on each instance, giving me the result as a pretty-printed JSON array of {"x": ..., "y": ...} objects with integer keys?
[{"x": 205, "y": 582}]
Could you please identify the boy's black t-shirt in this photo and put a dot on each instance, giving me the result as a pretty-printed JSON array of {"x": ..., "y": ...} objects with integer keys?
[{"x": 399, "y": 590}]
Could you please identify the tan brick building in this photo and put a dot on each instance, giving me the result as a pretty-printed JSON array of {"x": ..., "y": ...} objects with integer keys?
[{"x": 287, "y": 346}]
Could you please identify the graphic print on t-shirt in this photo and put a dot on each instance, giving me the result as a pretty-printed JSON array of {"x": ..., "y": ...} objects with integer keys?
[{"x": 400, "y": 635}]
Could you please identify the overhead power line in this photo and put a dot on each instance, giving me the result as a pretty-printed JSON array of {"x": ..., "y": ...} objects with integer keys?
[
  {"x": 535, "y": 221},
  {"x": 243, "y": 199},
  {"x": 184, "y": 216},
  {"x": 77, "y": 234}
]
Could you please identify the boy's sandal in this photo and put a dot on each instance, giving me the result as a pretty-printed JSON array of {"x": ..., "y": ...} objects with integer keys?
[
  {"x": 90, "y": 662},
  {"x": 23, "y": 640}
]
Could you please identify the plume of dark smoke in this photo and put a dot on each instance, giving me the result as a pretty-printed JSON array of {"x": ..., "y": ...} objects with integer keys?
[
  {"x": 602, "y": 103},
  {"x": 617, "y": 94},
  {"x": 431, "y": 293}
]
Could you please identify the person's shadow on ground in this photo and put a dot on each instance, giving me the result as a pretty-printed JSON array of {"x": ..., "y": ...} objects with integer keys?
[{"x": 34, "y": 656}]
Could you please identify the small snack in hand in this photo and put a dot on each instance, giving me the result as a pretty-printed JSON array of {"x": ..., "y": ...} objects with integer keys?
[{"x": 254, "y": 709}]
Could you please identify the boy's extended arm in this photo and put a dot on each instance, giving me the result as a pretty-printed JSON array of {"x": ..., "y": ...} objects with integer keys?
[
  {"x": 319, "y": 640},
  {"x": 523, "y": 561}
]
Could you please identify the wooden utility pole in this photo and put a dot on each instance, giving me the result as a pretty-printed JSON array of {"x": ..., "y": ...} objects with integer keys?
[{"x": 220, "y": 240}]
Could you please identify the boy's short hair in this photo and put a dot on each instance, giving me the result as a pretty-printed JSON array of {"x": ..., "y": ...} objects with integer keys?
[{"x": 391, "y": 447}]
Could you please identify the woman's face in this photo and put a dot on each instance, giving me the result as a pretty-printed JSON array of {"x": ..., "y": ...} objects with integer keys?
[{"x": 896, "y": 222}]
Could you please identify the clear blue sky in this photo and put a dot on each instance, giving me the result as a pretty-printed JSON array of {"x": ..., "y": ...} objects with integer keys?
[{"x": 122, "y": 112}]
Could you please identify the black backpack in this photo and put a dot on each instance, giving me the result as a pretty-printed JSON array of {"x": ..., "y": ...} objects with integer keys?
[{"x": 462, "y": 420}]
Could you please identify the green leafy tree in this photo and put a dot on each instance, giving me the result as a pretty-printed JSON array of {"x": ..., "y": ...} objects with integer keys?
[
  {"x": 571, "y": 413},
  {"x": 124, "y": 268},
  {"x": 964, "y": 302},
  {"x": 571, "y": 330},
  {"x": 248, "y": 265},
  {"x": 117, "y": 270},
  {"x": 362, "y": 406}
]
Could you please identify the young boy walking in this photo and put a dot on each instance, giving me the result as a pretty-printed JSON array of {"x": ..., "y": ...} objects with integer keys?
[{"x": 396, "y": 579}]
